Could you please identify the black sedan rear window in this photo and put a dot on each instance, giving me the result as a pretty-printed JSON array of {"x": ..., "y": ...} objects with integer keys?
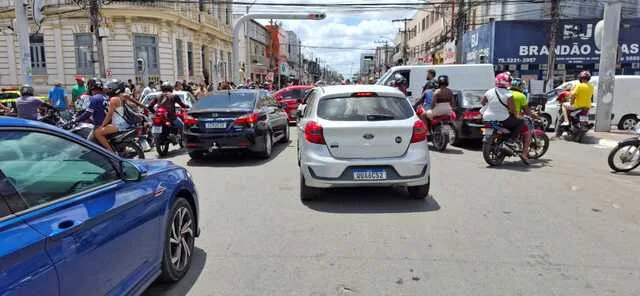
[
  {"x": 231, "y": 100},
  {"x": 364, "y": 109}
]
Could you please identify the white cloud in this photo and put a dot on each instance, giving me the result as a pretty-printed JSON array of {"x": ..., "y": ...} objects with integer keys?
[{"x": 344, "y": 28}]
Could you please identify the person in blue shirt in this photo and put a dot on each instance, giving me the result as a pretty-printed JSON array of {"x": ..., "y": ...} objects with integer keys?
[
  {"x": 59, "y": 99},
  {"x": 98, "y": 104}
]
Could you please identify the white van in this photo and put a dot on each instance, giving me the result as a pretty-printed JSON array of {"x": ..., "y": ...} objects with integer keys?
[
  {"x": 467, "y": 77},
  {"x": 626, "y": 100}
]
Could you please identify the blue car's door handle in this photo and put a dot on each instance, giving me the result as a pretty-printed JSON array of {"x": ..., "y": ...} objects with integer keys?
[{"x": 66, "y": 224}]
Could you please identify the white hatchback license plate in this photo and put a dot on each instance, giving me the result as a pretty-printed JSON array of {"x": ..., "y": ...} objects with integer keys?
[
  {"x": 370, "y": 174},
  {"x": 584, "y": 118},
  {"x": 156, "y": 129},
  {"x": 215, "y": 125}
]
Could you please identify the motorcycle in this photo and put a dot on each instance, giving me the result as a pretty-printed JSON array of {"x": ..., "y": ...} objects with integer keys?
[
  {"x": 165, "y": 132},
  {"x": 125, "y": 144},
  {"x": 498, "y": 142},
  {"x": 440, "y": 128},
  {"x": 627, "y": 152},
  {"x": 52, "y": 116},
  {"x": 578, "y": 124}
]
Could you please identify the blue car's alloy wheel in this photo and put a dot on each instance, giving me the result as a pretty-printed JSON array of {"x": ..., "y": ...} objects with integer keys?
[{"x": 179, "y": 244}]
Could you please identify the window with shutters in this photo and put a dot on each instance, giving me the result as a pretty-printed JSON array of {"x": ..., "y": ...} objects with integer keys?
[
  {"x": 83, "y": 43},
  {"x": 146, "y": 48},
  {"x": 38, "y": 62}
]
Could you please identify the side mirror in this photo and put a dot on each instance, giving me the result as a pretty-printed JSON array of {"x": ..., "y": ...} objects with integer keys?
[
  {"x": 131, "y": 172},
  {"x": 299, "y": 113}
]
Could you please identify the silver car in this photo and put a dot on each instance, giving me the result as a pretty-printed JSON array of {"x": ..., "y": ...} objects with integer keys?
[{"x": 361, "y": 135}]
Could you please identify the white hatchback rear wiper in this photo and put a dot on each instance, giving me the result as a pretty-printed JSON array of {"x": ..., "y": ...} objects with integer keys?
[{"x": 375, "y": 117}]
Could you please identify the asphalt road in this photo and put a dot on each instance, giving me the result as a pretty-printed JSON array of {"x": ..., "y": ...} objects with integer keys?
[{"x": 564, "y": 226}]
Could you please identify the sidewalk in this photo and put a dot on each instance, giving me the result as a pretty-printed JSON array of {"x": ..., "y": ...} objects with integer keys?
[{"x": 607, "y": 139}]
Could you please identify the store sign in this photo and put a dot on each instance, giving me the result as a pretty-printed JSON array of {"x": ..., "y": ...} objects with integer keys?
[
  {"x": 477, "y": 45},
  {"x": 449, "y": 53},
  {"x": 527, "y": 42}
]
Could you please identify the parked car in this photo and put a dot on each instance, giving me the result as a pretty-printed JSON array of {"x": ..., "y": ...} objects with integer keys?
[
  {"x": 292, "y": 96},
  {"x": 77, "y": 220},
  {"x": 361, "y": 135},
  {"x": 240, "y": 120}
]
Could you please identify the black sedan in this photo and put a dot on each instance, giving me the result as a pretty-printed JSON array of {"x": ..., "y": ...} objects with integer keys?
[
  {"x": 240, "y": 120},
  {"x": 468, "y": 122}
]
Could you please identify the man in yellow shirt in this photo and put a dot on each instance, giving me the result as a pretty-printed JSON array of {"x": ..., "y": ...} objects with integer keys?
[{"x": 580, "y": 96}]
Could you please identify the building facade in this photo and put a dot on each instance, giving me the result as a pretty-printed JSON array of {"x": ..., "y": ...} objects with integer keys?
[
  {"x": 254, "y": 40},
  {"x": 429, "y": 30},
  {"x": 177, "y": 41},
  {"x": 367, "y": 63},
  {"x": 294, "y": 50}
]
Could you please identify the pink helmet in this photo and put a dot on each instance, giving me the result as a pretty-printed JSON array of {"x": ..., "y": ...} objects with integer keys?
[{"x": 503, "y": 80}]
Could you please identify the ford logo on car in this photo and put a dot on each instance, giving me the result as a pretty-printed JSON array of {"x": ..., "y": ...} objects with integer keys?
[{"x": 368, "y": 136}]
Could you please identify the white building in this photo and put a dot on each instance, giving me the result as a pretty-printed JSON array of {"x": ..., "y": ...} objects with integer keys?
[
  {"x": 254, "y": 63},
  {"x": 294, "y": 61},
  {"x": 428, "y": 32},
  {"x": 177, "y": 40}
]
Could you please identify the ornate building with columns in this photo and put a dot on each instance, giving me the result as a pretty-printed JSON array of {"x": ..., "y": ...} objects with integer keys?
[{"x": 177, "y": 41}]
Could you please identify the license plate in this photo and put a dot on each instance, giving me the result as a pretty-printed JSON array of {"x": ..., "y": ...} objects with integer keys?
[
  {"x": 488, "y": 131},
  {"x": 584, "y": 118},
  {"x": 215, "y": 125},
  {"x": 156, "y": 129},
  {"x": 369, "y": 174}
]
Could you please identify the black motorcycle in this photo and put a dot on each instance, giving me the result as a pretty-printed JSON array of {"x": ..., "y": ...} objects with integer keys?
[
  {"x": 125, "y": 144},
  {"x": 626, "y": 156},
  {"x": 578, "y": 124}
]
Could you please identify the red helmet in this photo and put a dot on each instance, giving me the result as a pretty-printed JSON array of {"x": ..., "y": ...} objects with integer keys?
[
  {"x": 584, "y": 75},
  {"x": 503, "y": 80}
]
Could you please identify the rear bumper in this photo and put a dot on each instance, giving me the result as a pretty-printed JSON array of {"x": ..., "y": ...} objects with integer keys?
[
  {"x": 292, "y": 115},
  {"x": 246, "y": 140},
  {"x": 469, "y": 130},
  {"x": 321, "y": 170}
]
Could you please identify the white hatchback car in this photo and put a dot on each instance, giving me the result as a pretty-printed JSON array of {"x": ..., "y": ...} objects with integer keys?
[{"x": 361, "y": 135}]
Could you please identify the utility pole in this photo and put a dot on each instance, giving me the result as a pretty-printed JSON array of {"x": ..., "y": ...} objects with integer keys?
[
  {"x": 461, "y": 25},
  {"x": 404, "y": 38},
  {"x": 94, "y": 16},
  {"x": 607, "y": 69},
  {"x": 555, "y": 16},
  {"x": 22, "y": 26},
  {"x": 247, "y": 65},
  {"x": 386, "y": 54},
  {"x": 299, "y": 61}
]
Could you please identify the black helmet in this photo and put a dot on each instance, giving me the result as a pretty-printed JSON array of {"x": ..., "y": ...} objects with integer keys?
[
  {"x": 95, "y": 84},
  {"x": 443, "y": 80},
  {"x": 115, "y": 87},
  {"x": 166, "y": 87},
  {"x": 399, "y": 79},
  {"x": 26, "y": 90}
]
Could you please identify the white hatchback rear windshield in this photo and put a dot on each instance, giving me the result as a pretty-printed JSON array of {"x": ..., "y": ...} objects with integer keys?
[{"x": 364, "y": 109}]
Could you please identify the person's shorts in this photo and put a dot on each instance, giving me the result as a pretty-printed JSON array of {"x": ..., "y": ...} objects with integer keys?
[{"x": 515, "y": 124}]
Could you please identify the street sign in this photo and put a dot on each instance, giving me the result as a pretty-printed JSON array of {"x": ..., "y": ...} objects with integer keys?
[{"x": 283, "y": 68}]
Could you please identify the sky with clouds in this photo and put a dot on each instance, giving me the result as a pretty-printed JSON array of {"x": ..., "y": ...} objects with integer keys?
[{"x": 343, "y": 28}]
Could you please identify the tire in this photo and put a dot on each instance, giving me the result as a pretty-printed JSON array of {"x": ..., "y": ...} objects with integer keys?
[
  {"x": 287, "y": 135},
  {"x": 419, "y": 192},
  {"x": 544, "y": 142},
  {"x": 268, "y": 145},
  {"x": 613, "y": 153},
  {"x": 181, "y": 218},
  {"x": 577, "y": 137},
  {"x": 129, "y": 150},
  {"x": 546, "y": 122},
  {"x": 628, "y": 122},
  {"x": 558, "y": 129},
  {"x": 162, "y": 149},
  {"x": 196, "y": 155},
  {"x": 307, "y": 193},
  {"x": 440, "y": 139},
  {"x": 491, "y": 154}
]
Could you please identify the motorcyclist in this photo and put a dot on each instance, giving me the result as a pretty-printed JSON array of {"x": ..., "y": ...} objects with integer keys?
[
  {"x": 501, "y": 106},
  {"x": 168, "y": 100},
  {"x": 27, "y": 105},
  {"x": 442, "y": 99},
  {"x": 114, "y": 121},
  {"x": 96, "y": 110},
  {"x": 400, "y": 83},
  {"x": 431, "y": 81},
  {"x": 521, "y": 108},
  {"x": 581, "y": 96}
]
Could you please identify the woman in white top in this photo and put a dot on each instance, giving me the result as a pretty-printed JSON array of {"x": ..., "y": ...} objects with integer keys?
[{"x": 114, "y": 121}]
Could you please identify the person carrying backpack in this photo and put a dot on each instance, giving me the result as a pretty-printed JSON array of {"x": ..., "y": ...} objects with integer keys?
[{"x": 119, "y": 117}]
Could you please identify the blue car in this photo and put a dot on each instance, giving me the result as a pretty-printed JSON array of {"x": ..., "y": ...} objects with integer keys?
[{"x": 77, "y": 220}]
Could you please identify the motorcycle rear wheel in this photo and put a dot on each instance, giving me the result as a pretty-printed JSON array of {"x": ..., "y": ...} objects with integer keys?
[
  {"x": 491, "y": 153},
  {"x": 632, "y": 165},
  {"x": 439, "y": 139}
]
